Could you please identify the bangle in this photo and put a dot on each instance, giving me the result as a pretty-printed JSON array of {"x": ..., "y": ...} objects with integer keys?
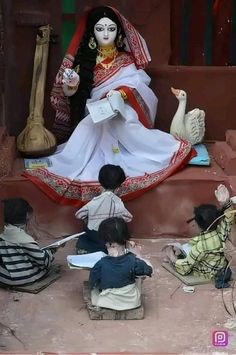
[
  {"x": 73, "y": 87},
  {"x": 123, "y": 94}
]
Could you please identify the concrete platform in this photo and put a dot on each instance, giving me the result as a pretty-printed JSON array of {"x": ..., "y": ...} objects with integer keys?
[{"x": 56, "y": 320}]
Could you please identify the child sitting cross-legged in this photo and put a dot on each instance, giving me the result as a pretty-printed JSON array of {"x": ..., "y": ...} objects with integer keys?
[
  {"x": 106, "y": 205},
  {"x": 206, "y": 254},
  {"x": 22, "y": 261},
  {"x": 113, "y": 279}
]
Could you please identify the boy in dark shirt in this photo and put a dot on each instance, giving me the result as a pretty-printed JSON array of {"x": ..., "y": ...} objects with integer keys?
[{"x": 113, "y": 278}]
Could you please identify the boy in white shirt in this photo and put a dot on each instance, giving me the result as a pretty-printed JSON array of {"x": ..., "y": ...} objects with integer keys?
[{"x": 104, "y": 206}]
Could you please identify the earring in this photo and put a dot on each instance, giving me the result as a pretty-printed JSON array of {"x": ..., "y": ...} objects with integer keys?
[
  {"x": 92, "y": 44},
  {"x": 119, "y": 41}
]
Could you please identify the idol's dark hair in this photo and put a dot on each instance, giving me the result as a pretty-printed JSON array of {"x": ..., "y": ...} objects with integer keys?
[
  {"x": 114, "y": 230},
  {"x": 111, "y": 176},
  {"x": 205, "y": 215},
  {"x": 86, "y": 59}
]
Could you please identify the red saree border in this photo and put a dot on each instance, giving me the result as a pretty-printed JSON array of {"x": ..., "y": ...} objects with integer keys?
[
  {"x": 76, "y": 193},
  {"x": 102, "y": 74},
  {"x": 137, "y": 106}
]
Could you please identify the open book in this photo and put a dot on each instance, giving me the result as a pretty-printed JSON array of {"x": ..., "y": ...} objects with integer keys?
[
  {"x": 84, "y": 261},
  {"x": 64, "y": 240},
  {"x": 183, "y": 249},
  {"x": 106, "y": 108}
]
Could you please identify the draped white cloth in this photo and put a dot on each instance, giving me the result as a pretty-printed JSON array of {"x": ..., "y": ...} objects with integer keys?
[{"x": 121, "y": 141}]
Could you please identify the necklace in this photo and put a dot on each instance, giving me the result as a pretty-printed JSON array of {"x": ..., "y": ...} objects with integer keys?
[
  {"x": 107, "y": 51},
  {"x": 106, "y": 56}
]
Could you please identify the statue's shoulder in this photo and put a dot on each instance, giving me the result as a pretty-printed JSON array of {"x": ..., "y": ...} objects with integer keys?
[
  {"x": 124, "y": 58},
  {"x": 126, "y": 55}
]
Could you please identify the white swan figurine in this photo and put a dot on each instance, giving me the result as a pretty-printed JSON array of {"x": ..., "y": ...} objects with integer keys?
[{"x": 189, "y": 126}]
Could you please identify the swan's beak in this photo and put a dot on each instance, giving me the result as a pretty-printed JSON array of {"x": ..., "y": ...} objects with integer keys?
[{"x": 175, "y": 91}]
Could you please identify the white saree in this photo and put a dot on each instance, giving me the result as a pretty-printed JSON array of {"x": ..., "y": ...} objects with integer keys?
[
  {"x": 121, "y": 141},
  {"x": 148, "y": 156}
]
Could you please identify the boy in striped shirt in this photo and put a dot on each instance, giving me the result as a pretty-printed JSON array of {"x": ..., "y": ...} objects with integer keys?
[{"x": 22, "y": 261}]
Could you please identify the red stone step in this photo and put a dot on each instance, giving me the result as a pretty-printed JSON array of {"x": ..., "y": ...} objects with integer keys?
[
  {"x": 230, "y": 137},
  {"x": 225, "y": 156}
]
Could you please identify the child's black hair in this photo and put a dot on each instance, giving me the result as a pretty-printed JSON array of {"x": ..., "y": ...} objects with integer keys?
[
  {"x": 114, "y": 230},
  {"x": 111, "y": 176},
  {"x": 205, "y": 215},
  {"x": 15, "y": 210}
]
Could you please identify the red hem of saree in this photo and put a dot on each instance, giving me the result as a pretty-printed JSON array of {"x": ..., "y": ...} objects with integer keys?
[{"x": 76, "y": 193}]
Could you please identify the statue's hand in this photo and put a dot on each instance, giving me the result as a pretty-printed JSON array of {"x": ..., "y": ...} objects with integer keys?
[
  {"x": 113, "y": 92},
  {"x": 70, "y": 78},
  {"x": 119, "y": 92}
]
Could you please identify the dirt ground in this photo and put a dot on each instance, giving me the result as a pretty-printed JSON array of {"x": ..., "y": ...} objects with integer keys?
[{"x": 56, "y": 320}]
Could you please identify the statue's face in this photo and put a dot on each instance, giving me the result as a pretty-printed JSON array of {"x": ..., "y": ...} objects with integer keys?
[{"x": 105, "y": 31}]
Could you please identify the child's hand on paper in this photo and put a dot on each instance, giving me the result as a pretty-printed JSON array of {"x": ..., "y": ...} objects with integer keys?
[
  {"x": 177, "y": 251},
  {"x": 171, "y": 256}
]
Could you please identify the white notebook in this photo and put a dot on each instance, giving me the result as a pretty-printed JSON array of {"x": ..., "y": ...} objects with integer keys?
[
  {"x": 84, "y": 261},
  {"x": 106, "y": 108},
  {"x": 57, "y": 243},
  {"x": 184, "y": 248}
]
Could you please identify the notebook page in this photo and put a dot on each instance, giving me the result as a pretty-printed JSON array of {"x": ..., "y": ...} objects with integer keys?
[
  {"x": 100, "y": 110},
  {"x": 85, "y": 260}
]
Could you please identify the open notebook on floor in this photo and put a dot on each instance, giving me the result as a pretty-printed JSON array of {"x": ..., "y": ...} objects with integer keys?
[
  {"x": 66, "y": 239},
  {"x": 84, "y": 261},
  {"x": 184, "y": 249}
]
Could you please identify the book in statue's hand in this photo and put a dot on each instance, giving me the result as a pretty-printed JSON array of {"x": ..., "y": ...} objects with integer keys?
[{"x": 107, "y": 108}]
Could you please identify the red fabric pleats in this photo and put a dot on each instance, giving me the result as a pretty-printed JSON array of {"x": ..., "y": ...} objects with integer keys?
[{"x": 137, "y": 106}]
